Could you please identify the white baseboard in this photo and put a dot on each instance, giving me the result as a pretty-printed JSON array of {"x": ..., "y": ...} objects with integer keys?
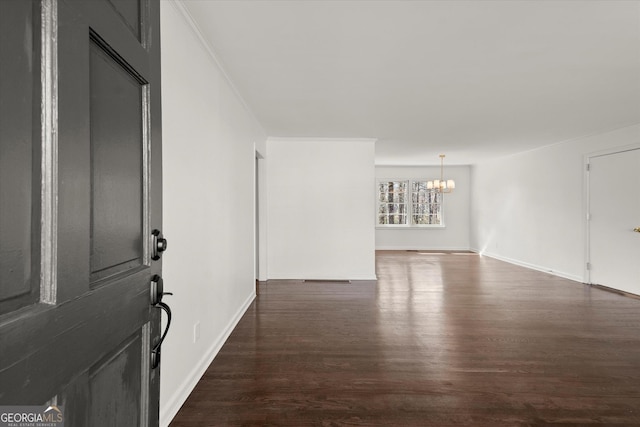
[
  {"x": 322, "y": 277},
  {"x": 419, "y": 248},
  {"x": 531, "y": 266},
  {"x": 182, "y": 393}
]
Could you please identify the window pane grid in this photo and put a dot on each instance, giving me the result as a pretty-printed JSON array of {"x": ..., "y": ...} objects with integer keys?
[
  {"x": 396, "y": 206},
  {"x": 393, "y": 202},
  {"x": 426, "y": 204}
]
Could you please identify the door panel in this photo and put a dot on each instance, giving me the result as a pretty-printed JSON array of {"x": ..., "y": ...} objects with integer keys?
[
  {"x": 97, "y": 146},
  {"x": 125, "y": 393},
  {"x": 19, "y": 209},
  {"x": 614, "y": 209},
  {"x": 116, "y": 162}
]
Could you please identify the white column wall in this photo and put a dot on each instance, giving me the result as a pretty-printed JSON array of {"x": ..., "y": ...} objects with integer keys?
[{"x": 319, "y": 209}]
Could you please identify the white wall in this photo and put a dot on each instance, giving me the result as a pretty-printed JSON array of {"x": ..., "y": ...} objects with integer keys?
[
  {"x": 319, "y": 209},
  {"x": 529, "y": 208},
  {"x": 455, "y": 234},
  {"x": 209, "y": 142},
  {"x": 261, "y": 235}
]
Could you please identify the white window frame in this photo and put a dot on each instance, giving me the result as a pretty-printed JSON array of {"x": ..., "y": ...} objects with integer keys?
[{"x": 409, "y": 210}]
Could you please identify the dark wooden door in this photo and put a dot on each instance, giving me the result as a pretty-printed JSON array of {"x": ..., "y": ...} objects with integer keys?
[{"x": 80, "y": 193}]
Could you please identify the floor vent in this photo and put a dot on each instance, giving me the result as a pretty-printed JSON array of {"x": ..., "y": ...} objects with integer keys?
[{"x": 325, "y": 281}]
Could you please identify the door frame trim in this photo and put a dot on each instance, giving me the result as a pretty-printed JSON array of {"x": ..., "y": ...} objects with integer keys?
[{"x": 587, "y": 199}]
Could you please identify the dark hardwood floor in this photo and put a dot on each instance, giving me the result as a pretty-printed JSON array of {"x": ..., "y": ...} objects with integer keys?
[{"x": 440, "y": 339}]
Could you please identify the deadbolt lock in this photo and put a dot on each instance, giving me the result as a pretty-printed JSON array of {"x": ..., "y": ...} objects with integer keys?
[{"x": 158, "y": 245}]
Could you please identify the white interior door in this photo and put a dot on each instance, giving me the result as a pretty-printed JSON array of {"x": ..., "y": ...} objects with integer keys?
[{"x": 614, "y": 207}]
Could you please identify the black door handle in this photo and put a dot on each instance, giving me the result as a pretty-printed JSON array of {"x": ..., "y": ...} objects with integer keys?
[
  {"x": 157, "y": 292},
  {"x": 155, "y": 353}
]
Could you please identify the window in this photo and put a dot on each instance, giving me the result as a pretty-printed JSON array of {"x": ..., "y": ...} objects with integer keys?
[
  {"x": 426, "y": 208},
  {"x": 392, "y": 202},
  {"x": 406, "y": 203}
]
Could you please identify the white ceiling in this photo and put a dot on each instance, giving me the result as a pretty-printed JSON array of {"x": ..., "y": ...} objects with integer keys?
[{"x": 472, "y": 79}]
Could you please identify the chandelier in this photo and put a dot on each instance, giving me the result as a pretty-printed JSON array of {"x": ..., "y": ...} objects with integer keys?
[{"x": 441, "y": 185}]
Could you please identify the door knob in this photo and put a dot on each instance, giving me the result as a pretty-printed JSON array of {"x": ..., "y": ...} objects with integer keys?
[
  {"x": 158, "y": 245},
  {"x": 637, "y": 229}
]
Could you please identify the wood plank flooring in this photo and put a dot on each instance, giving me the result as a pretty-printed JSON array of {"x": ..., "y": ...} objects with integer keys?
[{"x": 440, "y": 339}]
